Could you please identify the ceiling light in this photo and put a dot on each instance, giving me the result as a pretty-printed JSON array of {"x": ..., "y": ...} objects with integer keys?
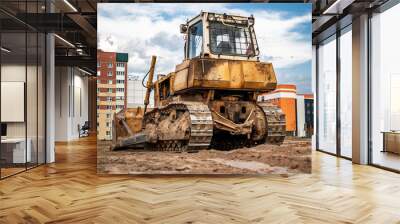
[
  {"x": 86, "y": 72},
  {"x": 70, "y": 5},
  {"x": 64, "y": 40},
  {"x": 337, "y": 7},
  {"x": 5, "y": 50},
  {"x": 333, "y": 6}
]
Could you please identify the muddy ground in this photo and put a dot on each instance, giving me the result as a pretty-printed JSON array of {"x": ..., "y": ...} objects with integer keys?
[{"x": 293, "y": 156}]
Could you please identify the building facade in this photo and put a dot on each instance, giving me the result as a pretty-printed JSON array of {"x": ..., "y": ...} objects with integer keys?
[
  {"x": 112, "y": 71},
  {"x": 284, "y": 96},
  {"x": 298, "y": 109},
  {"x": 137, "y": 92},
  {"x": 305, "y": 115},
  {"x": 309, "y": 114}
]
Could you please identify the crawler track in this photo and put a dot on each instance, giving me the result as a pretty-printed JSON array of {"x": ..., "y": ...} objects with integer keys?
[
  {"x": 199, "y": 133},
  {"x": 276, "y": 124}
]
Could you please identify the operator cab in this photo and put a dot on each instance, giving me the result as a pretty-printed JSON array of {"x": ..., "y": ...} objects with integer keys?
[{"x": 213, "y": 35}]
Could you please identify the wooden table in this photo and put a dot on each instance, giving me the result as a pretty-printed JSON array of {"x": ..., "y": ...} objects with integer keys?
[{"x": 391, "y": 141}]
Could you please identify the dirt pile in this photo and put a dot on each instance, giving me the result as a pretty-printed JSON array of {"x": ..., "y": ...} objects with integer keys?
[{"x": 294, "y": 156}]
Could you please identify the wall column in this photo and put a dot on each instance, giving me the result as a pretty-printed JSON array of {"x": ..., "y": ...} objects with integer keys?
[
  {"x": 50, "y": 98},
  {"x": 50, "y": 91},
  {"x": 360, "y": 90},
  {"x": 314, "y": 90}
]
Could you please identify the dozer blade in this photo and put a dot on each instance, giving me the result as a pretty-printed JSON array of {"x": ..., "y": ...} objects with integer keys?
[{"x": 135, "y": 141}]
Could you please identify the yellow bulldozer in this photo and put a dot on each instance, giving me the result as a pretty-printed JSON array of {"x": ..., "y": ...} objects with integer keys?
[{"x": 210, "y": 100}]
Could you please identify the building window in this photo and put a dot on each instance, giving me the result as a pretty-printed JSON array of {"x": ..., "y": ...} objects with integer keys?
[
  {"x": 110, "y": 90},
  {"x": 98, "y": 73},
  {"x": 107, "y": 124},
  {"x": 110, "y": 81},
  {"x": 327, "y": 95},
  {"x": 108, "y": 133},
  {"x": 110, "y": 65},
  {"x": 98, "y": 64},
  {"x": 385, "y": 89},
  {"x": 109, "y": 73},
  {"x": 195, "y": 40},
  {"x": 120, "y": 81},
  {"x": 120, "y": 89},
  {"x": 109, "y": 98},
  {"x": 346, "y": 93},
  {"x": 108, "y": 115}
]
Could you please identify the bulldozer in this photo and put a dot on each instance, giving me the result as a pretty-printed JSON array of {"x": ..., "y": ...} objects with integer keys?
[{"x": 210, "y": 100}]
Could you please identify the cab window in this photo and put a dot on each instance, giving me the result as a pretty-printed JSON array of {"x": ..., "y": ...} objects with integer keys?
[{"x": 195, "y": 40}]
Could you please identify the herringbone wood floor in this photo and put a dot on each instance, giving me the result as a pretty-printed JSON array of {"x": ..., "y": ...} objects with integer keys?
[{"x": 69, "y": 191}]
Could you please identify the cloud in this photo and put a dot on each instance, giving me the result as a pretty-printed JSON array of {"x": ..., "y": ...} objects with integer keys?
[
  {"x": 301, "y": 78},
  {"x": 143, "y": 30}
]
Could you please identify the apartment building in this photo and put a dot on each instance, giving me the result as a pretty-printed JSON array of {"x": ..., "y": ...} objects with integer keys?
[
  {"x": 136, "y": 93},
  {"x": 298, "y": 109},
  {"x": 305, "y": 115},
  {"x": 112, "y": 70},
  {"x": 284, "y": 96}
]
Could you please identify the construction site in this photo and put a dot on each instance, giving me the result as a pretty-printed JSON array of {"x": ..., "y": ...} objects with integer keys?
[
  {"x": 292, "y": 157},
  {"x": 207, "y": 118}
]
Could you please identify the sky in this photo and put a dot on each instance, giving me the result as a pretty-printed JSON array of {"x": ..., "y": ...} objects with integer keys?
[{"x": 283, "y": 33}]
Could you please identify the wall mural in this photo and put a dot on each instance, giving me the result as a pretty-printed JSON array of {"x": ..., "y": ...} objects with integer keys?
[{"x": 225, "y": 82}]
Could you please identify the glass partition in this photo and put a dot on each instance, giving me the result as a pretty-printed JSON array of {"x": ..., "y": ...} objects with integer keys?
[
  {"x": 385, "y": 89},
  {"x": 22, "y": 77},
  {"x": 13, "y": 87},
  {"x": 31, "y": 97},
  {"x": 327, "y": 95}
]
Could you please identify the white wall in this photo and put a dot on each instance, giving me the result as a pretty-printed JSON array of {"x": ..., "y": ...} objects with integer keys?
[
  {"x": 12, "y": 73},
  {"x": 71, "y": 102},
  {"x": 33, "y": 126},
  {"x": 80, "y": 111}
]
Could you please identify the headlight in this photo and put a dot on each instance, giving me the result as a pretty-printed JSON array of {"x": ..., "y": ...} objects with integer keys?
[
  {"x": 183, "y": 28},
  {"x": 211, "y": 16},
  {"x": 251, "y": 21}
]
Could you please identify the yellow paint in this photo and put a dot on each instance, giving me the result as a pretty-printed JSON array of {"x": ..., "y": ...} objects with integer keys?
[{"x": 223, "y": 74}]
